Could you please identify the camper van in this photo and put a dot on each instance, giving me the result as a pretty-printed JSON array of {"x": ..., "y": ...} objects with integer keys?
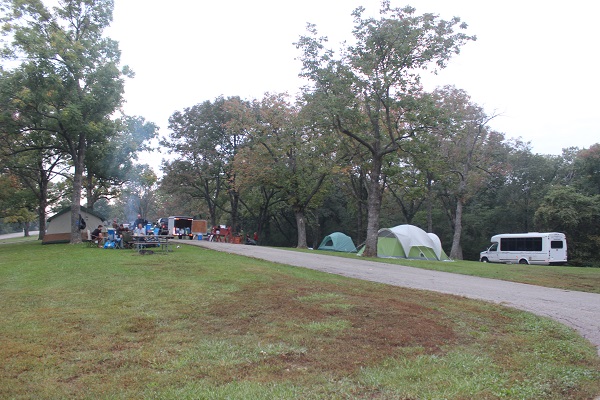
[
  {"x": 548, "y": 248},
  {"x": 180, "y": 227}
]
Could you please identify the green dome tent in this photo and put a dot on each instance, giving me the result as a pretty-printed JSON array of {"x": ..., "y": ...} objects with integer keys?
[
  {"x": 337, "y": 241},
  {"x": 409, "y": 241}
]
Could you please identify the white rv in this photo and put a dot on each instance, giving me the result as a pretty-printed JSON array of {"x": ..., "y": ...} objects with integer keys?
[{"x": 548, "y": 248}]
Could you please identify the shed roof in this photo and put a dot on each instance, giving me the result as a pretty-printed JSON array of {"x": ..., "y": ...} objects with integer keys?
[{"x": 82, "y": 208}]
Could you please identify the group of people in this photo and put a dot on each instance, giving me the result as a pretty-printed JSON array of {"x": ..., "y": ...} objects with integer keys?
[
  {"x": 100, "y": 234},
  {"x": 217, "y": 233}
]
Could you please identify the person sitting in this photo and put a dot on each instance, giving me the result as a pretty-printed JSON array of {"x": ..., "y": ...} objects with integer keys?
[
  {"x": 139, "y": 234},
  {"x": 97, "y": 235},
  {"x": 119, "y": 236},
  {"x": 139, "y": 230}
]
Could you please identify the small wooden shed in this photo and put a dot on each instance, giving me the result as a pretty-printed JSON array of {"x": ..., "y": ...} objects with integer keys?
[{"x": 59, "y": 225}]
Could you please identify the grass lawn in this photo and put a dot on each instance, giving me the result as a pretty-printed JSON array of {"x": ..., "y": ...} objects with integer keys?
[
  {"x": 564, "y": 277},
  {"x": 82, "y": 322}
]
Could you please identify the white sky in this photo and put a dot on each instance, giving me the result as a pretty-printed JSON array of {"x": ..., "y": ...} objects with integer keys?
[{"x": 534, "y": 62}]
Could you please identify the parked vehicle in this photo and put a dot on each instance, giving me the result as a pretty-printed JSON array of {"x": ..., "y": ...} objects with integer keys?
[
  {"x": 163, "y": 225},
  {"x": 549, "y": 248},
  {"x": 181, "y": 227}
]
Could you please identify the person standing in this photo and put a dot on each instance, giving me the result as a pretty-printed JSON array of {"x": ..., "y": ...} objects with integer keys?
[{"x": 139, "y": 221}]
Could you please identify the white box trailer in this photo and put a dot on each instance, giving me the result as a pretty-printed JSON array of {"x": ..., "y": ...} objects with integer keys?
[
  {"x": 546, "y": 248},
  {"x": 180, "y": 226}
]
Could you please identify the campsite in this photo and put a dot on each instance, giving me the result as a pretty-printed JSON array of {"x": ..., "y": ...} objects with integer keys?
[
  {"x": 362, "y": 160},
  {"x": 402, "y": 241}
]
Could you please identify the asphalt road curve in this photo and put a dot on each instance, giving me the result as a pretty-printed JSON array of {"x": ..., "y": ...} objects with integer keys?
[{"x": 578, "y": 310}]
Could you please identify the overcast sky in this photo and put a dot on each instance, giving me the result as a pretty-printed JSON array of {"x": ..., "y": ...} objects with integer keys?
[{"x": 534, "y": 62}]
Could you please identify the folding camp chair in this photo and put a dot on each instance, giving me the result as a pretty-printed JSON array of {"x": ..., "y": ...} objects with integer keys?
[{"x": 89, "y": 240}]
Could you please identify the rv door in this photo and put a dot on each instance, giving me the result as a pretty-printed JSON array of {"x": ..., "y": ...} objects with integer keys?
[
  {"x": 492, "y": 253},
  {"x": 558, "y": 251}
]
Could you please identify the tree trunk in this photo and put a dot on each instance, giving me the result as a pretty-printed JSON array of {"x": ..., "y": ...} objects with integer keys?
[
  {"x": 318, "y": 234},
  {"x": 234, "y": 201},
  {"x": 359, "y": 223},
  {"x": 42, "y": 205},
  {"x": 373, "y": 209},
  {"x": 89, "y": 192},
  {"x": 429, "y": 204},
  {"x": 212, "y": 209},
  {"x": 79, "y": 157},
  {"x": 301, "y": 224},
  {"x": 456, "y": 250}
]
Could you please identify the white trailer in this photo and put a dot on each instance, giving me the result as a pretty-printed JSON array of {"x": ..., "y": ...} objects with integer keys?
[
  {"x": 547, "y": 248},
  {"x": 180, "y": 226}
]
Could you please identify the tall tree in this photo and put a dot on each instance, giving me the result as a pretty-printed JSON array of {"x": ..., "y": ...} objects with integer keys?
[
  {"x": 70, "y": 81},
  {"x": 470, "y": 151},
  {"x": 527, "y": 180},
  {"x": 206, "y": 138},
  {"x": 30, "y": 155},
  {"x": 280, "y": 155},
  {"x": 370, "y": 93}
]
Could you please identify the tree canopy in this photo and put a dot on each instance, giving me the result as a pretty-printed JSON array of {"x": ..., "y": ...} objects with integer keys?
[
  {"x": 371, "y": 91},
  {"x": 67, "y": 82}
]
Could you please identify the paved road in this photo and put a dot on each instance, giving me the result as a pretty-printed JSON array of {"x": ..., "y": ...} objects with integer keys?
[
  {"x": 578, "y": 310},
  {"x": 18, "y": 234}
]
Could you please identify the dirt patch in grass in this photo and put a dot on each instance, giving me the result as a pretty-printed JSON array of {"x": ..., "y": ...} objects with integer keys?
[{"x": 339, "y": 336}]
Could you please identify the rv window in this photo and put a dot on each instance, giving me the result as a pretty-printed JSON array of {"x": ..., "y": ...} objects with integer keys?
[
  {"x": 556, "y": 244},
  {"x": 521, "y": 244}
]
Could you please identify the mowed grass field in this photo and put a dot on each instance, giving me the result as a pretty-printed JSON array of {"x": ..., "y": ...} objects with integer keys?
[{"x": 82, "y": 322}]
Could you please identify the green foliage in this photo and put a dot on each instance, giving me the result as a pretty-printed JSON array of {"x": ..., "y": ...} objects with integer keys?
[
  {"x": 67, "y": 83},
  {"x": 370, "y": 93},
  {"x": 563, "y": 209},
  {"x": 206, "y": 139},
  {"x": 588, "y": 169},
  {"x": 17, "y": 204},
  {"x": 280, "y": 155}
]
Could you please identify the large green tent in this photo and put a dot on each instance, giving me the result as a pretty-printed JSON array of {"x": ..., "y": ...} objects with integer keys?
[
  {"x": 337, "y": 241},
  {"x": 409, "y": 241}
]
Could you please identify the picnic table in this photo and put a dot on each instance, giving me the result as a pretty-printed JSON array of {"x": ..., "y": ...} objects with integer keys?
[{"x": 142, "y": 242}]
